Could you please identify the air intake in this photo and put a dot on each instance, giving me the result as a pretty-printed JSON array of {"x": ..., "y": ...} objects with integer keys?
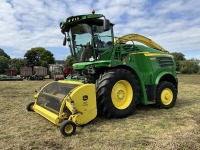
[{"x": 165, "y": 61}]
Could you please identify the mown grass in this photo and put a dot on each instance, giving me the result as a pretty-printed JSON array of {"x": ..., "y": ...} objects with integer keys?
[{"x": 148, "y": 128}]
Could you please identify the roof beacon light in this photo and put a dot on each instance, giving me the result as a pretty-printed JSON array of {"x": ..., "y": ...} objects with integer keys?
[{"x": 93, "y": 11}]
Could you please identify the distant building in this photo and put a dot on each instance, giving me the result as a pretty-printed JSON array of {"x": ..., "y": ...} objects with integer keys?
[{"x": 59, "y": 62}]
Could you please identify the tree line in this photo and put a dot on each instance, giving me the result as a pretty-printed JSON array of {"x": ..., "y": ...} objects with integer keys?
[
  {"x": 37, "y": 56},
  {"x": 186, "y": 66}
]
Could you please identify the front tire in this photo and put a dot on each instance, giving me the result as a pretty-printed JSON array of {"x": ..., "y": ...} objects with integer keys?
[
  {"x": 166, "y": 95},
  {"x": 29, "y": 107},
  {"x": 117, "y": 93},
  {"x": 67, "y": 128}
]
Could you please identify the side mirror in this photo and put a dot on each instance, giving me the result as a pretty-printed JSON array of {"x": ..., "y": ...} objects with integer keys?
[
  {"x": 61, "y": 25},
  {"x": 64, "y": 41},
  {"x": 106, "y": 24}
]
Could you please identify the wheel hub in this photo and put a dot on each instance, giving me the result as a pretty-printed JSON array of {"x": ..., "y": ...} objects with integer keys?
[
  {"x": 122, "y": 94},
  {"x": 68, "y": 128},
  {"x": 166, "y": 96}
]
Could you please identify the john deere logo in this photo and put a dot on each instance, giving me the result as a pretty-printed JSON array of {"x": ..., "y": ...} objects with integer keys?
[{"x": 85, "y": 97}]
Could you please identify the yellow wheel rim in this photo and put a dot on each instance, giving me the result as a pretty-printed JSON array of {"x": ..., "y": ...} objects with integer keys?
[
  {"x": 166, "y": 96},
  {"x": 69, "y": 129},
  {"x": 122, "y": 94}
]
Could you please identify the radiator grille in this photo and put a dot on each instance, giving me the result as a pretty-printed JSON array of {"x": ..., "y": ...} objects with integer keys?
[{"x": 165, "y": 61}]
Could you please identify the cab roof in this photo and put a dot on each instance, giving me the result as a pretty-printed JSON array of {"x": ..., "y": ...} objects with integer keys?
[{"x": 90, "y": 19}]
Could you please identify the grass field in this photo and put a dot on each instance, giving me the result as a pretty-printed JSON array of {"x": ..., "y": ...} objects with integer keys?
[{"x": 148, "y": 128}]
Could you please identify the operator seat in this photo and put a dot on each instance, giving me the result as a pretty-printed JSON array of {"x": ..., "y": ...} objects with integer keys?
[{"x": 87, "y": 53}]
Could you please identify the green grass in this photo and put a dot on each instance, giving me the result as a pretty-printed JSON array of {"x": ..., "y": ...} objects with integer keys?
[{"x": 148, "y": 128}]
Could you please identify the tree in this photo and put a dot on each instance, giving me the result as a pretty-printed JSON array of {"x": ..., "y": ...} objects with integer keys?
[
  {"x": 4, "y": 64},
  {"x": 178, "y": 57},
  {"x": 45, "y": 56},
  {"x": 17, "y": 63},
  {"x": 31, "y": 58},
  {"x": 199, "y": 70},
  {"x": 69, "y": 61},
  {"x": 189, "y": 66},
  {"x": 2, "y": 53}
]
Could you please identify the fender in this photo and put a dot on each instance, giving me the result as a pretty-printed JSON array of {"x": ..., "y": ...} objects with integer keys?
[{"x": 160, "y": 75}]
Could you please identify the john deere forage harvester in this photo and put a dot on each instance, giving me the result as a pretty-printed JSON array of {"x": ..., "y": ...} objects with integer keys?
[{"x": 110, "y": 76}]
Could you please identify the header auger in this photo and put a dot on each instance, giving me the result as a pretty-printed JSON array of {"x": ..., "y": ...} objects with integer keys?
[{"x": 110, "y": 76}]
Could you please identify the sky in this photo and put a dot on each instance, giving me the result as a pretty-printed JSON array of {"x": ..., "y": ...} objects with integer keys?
[{"x": 173, "y": 24}]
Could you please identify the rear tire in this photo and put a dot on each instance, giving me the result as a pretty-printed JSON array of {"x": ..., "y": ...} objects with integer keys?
[
  {"x": 29, "y": 107},
  {"x": 117, "y": 93},
  {"x": 67, "y": 128},
  {"x": 166, "y": 95}
]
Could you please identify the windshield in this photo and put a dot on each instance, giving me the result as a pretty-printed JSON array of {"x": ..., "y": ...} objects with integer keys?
[
  {"x": 102, "y": 39},
  {"x": 81, "y": 37},
  {"x": 87, "y": 42}
]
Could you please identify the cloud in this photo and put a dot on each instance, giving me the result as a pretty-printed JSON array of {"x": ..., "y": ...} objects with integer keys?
[{"x": 26, "y": 24}]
